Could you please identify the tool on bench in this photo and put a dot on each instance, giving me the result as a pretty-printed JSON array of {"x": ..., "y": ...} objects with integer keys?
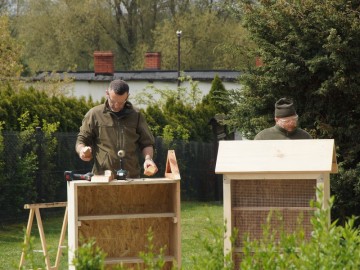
[{"x": 70, "y": 176}]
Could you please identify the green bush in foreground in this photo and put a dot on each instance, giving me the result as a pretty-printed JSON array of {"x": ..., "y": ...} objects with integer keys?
[
  {"x": 214, "y": 247},
  {"x": 330, "y": 246},
  {"x": 89, "y": 257}
]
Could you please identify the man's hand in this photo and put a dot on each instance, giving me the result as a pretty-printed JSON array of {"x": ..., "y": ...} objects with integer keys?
[
  {"x": 86, "y": 153},
  {"x": 150, "y": 167}
]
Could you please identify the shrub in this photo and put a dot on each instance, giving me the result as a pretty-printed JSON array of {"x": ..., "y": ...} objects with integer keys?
[
  {"x": 89, "y": 257},
  {"x": 215, "y": 258},
  {"x": 25, "y": 165}
]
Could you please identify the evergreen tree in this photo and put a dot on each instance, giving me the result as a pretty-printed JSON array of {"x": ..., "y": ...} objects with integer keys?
[
  {"x": 311, "y": 53},
  {"x": 218, "y": 97}
]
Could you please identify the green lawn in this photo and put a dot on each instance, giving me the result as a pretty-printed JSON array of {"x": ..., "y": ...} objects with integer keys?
[{"x": 194, "y": 217}]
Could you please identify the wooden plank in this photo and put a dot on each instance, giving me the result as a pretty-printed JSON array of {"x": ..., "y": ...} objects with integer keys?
[
  {"x": 323, "y": 183},
  {"x": 172, "y": 169},
  {"x": 62, "y": 237},
  {"x": 227, "y": 215},
  {"x": 42, "y": 238},
  {"x": 127, "y": 237},
  {"x": 133, "y": 260},
  {"x": 128, "y": 216},
  {"x": 272, "y": 208},
  {"x": 276, "y": 156},
  {"x": 45, "y": 205},
  {"x": 272, "y": 176},
  {"x": 27, "y": 236},
  {"x": 72, "y": 222},
  {"x": 177, "y": 229},
  {"x": 124, "y": 199},
  {"x": 129, "y": 181}
]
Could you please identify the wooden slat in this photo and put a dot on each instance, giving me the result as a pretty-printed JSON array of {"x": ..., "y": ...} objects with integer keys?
[
  {"x": 172, "y": 169},
  {"x": 276, "y": 156},
  {"x": 133, "y": 260},
  {"x": 127, "y": 216},
  {"x": 27, "y": 236},
  {"x": 272, "y": 208},
  {"x": 42, "y": 238},
  {"x": 177, "y": 229},
  {"x": 45, "y": 205},
  {"x": 129, "y": 181},
  {"x": 227, "y": 215},
  {"x": 62, "y": 237}
]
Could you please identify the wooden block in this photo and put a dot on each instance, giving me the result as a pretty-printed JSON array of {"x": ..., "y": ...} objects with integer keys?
[
  {"x": 151, "y": 170},
  {"x": 87, "y": 152},
  {"x": 106, "y": 178}
]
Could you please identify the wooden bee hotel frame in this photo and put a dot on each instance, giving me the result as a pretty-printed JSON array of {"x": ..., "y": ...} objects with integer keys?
[
  {"x": 119, "y": 215},
  {"x": 263, "y": 176}
]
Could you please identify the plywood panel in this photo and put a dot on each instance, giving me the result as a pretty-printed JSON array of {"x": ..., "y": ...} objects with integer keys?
[
  {"x": 276, "y": 156},
  {"x": 126, "y": 238},
  {"x": 119, "y": 215},
  {"x": 125, "y": 199}
]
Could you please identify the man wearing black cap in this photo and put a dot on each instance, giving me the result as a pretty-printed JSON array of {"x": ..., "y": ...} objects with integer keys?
[{"x": 286, "y": 124}]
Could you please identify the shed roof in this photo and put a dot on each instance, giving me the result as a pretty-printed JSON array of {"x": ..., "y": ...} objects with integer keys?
[
  {"x": 148, "y": 75},
  {"x": 276, "y": 156}
]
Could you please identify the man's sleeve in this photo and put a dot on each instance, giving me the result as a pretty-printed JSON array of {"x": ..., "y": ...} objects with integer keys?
[
  {"x": 85, "y": 134},
  {"x": 146, "y": 136}
]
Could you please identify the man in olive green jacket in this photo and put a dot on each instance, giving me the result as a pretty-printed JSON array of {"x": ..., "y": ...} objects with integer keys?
[
  {"x": 113, "y": 126},
  {"x": 286, "y": 127}
]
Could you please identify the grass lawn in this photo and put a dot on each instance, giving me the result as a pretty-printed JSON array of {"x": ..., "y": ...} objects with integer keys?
[{"x": 194, "y": 217}]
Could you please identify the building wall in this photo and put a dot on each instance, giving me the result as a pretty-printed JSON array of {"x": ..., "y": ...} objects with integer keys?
[{"x": 96, "y": 89}]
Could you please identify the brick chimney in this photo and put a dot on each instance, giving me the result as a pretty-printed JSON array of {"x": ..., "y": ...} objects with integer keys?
[
  {"x": 259, "y": 62},
  {"x": 153, "y": 60},
  {"x": 103, "y": 63}
]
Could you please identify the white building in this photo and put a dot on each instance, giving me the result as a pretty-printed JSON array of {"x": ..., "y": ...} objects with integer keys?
[{"x": 94, "y": 83}]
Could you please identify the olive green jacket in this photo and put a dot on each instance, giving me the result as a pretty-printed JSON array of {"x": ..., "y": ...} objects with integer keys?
[
  {"x": 278, "y": 133},
  {"x": 108, "y": 133}
]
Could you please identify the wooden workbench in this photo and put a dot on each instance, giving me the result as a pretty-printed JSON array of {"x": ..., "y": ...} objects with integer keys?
[{"x": 119, "y": 214}]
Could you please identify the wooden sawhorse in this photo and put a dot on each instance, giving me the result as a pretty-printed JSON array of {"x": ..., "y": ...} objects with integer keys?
[{"x": 34, "y": 209}]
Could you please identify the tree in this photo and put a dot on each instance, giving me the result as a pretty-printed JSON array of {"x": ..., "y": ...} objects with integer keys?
[
  {"x": 208, "y": 41},
  {"x": 62, "y": 35},
  {"x": 310, "y": 53},
  {"x": 10, "y": 51},
  {"x": 218, "y": 97},
  {"x": 176, "y": 114}
]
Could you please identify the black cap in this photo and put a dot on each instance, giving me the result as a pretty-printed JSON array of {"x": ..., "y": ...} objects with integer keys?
[{"x": 284, "y": 107}]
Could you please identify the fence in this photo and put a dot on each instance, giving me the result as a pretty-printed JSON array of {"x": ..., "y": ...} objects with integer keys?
[{"x": 196, "y": 163}]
